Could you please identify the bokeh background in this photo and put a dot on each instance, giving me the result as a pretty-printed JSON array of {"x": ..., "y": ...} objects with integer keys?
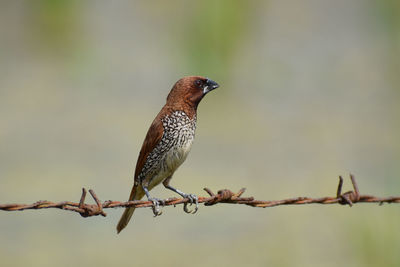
[{"x": 309, "y": 91}]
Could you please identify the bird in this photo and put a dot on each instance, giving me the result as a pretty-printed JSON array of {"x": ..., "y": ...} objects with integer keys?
[{"x": 167, "y": 143}]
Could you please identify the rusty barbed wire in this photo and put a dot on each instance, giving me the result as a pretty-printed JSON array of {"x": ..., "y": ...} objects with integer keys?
[{"x": 223, "y": 196}]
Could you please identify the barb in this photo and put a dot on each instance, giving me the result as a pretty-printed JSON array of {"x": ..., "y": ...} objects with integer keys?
[{"x": 223, "y": 196}]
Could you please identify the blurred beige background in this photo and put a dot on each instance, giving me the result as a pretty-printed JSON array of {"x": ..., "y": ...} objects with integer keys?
[{"x": 309, "y": 90}]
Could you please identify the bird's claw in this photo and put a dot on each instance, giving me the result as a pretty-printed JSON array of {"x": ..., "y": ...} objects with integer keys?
[
  {"x": 156, "y": 206},
  {"x": 193, "y": 199}
]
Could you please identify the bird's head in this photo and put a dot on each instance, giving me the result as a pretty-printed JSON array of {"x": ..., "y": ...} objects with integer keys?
[{"x": 190, "y": 90}]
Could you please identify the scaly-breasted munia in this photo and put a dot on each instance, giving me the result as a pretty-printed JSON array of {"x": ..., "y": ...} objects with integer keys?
[{"x": 168, "y": 142}]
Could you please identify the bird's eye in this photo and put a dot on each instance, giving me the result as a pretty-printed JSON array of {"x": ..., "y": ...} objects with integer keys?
[{"x": 198, "y": 82}]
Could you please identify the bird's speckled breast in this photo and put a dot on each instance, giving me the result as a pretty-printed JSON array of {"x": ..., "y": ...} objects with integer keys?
[{"x": 171, "y": 152}]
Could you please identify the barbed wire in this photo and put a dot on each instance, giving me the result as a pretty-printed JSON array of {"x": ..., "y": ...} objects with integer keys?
[{"x": 223, "y": 196}]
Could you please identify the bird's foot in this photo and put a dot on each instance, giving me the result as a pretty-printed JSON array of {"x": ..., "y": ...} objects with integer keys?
[
  {"x": 156, "y": 206},
  {"x": 193, "y": 199}
]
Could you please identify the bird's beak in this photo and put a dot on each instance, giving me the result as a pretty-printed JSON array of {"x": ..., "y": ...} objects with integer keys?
[{"x": 210, "y": 85}]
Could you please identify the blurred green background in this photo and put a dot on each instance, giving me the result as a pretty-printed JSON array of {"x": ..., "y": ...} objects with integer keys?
[{"x": 309, "y": 90}]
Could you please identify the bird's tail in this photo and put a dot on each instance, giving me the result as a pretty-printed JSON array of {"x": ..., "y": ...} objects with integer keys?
[{"x": 136, "y": 194}]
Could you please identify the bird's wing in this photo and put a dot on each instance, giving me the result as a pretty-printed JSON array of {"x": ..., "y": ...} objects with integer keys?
[{"x": 153, "y": 137}]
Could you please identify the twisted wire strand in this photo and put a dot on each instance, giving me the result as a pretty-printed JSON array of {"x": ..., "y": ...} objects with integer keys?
[{"x": 223, "y": 196}]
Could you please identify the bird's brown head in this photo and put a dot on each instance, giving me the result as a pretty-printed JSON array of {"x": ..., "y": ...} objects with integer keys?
[{"x": 190, "y": 90}]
